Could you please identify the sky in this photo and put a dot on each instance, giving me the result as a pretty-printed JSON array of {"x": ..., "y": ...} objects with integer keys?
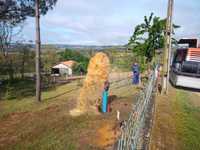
[{"x": 109, "y": 22}]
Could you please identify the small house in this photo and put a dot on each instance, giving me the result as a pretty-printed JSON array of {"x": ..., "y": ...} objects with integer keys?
[{"x": 64, "y": 68}]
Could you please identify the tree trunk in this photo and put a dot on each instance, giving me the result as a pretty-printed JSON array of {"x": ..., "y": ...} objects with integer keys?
[
  {"x": 37, "y": 61},
  {"x": 10, "y": 70},
  {"x": 23, "y": 64},
  {"x": 22, "y": 69}
]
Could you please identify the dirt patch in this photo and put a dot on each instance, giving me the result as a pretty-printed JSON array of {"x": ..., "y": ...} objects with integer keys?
[
  {"x": 9, "y": 125},
  {"x": 107, "y": 135},
  {"x": 104, "y": 130},
  {"x": 26, "y": 126},
  {"x": 51, "y": 127}
]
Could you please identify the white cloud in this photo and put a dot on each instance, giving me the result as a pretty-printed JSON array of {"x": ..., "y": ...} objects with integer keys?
[{"x": 108, "y": 21}]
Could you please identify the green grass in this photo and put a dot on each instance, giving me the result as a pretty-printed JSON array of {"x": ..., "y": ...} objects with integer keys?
[
  {"x": 17, "y": 89},
  {"x": 48, "y": 125},
  {"x": 50, "y": 129},
  {"x": 46, "y": 131},
  {"x": 122, "y": 60},
  {"x": 60, "y": 133},
  {"x": 49, "y": 97},
  {"x": 187, "y": 121}
]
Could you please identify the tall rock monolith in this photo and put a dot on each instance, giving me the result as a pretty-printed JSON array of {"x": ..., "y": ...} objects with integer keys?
[{"x": 97, "y": 74}]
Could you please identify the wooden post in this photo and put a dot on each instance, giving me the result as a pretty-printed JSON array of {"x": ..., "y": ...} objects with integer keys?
[
  {"x": 167, "y": 50},
  {"x": 37, "y": 56}
]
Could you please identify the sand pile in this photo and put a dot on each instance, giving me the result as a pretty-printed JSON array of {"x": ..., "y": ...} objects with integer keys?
[{"x": 98, "y": 73}]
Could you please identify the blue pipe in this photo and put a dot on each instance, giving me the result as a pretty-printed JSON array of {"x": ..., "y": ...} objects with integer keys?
[{"x": 104, "y": 101}]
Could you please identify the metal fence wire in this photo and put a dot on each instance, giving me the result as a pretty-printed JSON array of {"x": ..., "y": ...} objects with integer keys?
[{"x": 132, "y": 137}]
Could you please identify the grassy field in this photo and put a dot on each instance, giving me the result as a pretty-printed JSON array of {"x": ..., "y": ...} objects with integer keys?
[
  {"x": 27, "y": 124},
  {"x": 23, "y": 103},
  {"x": 177, "y": 121},
  {"x": 187, "y": 120}
]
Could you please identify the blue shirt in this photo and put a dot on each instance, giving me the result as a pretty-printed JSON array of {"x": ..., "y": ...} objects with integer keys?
[{"x": 136, "y": 69}]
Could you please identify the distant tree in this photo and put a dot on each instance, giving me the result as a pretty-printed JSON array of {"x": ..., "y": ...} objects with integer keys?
[
  {"x": 16, "y": 11},
  {"x": 7, "y": 32},
  {"x": 79, "y": 69},
  {"x": 26, "y": 58},
  {"x": 13, "y": 13},
  {"x": 49, "y": 58},
  {"x": 111, "y": 53},
  {"x": 19, "y": 62},
  {"x": 76, "y": 56}
]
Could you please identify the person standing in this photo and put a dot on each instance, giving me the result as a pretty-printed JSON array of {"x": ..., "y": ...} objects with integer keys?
[
  {"x": 136, "y": 73},
  {"x": 81, "y": 71},
  {"x": 105, "y": 97}
]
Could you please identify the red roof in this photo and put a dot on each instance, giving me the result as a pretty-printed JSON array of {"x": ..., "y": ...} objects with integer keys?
[{"x": 69, "y": 63}]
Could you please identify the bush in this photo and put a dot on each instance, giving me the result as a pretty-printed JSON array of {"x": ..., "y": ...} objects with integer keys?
[{"x": 81, "y": 59}]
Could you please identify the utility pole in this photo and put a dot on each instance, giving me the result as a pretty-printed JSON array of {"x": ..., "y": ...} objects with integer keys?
[
  {"x": 168, "y": 47},
  {"x": 37, "y": 56}
]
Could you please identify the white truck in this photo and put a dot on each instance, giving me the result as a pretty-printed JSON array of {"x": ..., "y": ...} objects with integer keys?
[{"x": 185, "y": 67}]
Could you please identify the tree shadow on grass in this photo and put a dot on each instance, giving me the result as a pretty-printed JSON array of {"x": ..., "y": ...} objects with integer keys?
[
  {"x": 17, "y": 89},
  {"x": 66, "y": 92}
]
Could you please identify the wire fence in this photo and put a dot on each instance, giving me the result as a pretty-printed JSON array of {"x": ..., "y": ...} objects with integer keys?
[
  {"x": 132, "y": 136},
  {"x": 116, "y": 84}
]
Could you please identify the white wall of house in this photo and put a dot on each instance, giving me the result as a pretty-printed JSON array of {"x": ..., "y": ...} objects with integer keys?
[{"x": 63, "y": 70}]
